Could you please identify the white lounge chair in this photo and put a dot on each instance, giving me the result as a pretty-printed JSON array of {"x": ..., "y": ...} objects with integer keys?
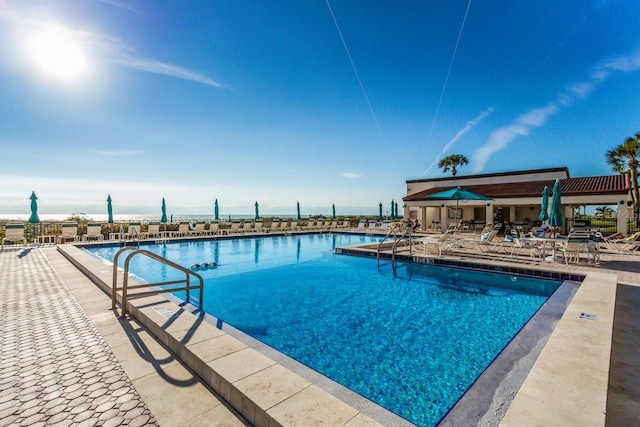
[
  {"x": 14, "y": 232},
  {"x": 275, "y": 225},
  {"x": 214, "y": 228},
  {"x": 69, "y": 232},
  {"x": 153, "y": 231},
  {"x": 439, "y": 244},
  {"x": 94, "y": 232}
]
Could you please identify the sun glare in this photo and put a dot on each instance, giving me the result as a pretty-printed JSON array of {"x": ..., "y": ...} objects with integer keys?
[{"x": 58, "y": 55}]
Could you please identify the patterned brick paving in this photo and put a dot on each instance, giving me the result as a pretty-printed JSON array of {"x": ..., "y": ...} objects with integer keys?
[{"x": 55, "y": 368}]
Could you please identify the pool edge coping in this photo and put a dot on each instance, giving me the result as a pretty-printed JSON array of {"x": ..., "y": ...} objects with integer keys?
[{"x": 591, "y": 295}]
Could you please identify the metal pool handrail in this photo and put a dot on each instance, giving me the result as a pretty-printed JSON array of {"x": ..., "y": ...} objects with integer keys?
[
  {"x": 125, "y": 282},
  {"x": 398, "y": 234}
]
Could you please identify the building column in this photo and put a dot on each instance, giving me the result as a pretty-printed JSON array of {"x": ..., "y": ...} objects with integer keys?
[
  {"x": 423, "y": 218},
  {"x": 444, "y": 219},
  {"x": 623, "y": 215},
  {"x": 489, "y": 214},
  {"x": 512, "y": 214}
]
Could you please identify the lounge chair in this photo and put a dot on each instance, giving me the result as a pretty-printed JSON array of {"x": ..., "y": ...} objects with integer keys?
[
  {"x": 236, "y": 227},
  {"x": 362, "y": 225},
  {"x": 69, "y": 232},
  {"x": 485, "y": 240},
  {"x": 372, "y": 225},
  {"x": 275, "y": 225},
  {"x": 333, "y": 225},
  {"x": 621, "y": 244},
  {"x": 94, "y": 232},
  {"x": 14, "y": 232},
  {"x": 198, "y": 230},
  {"x": 257, "y": 226},
  {"x": 440, "y": 244},
  {"x": 214, "y": 228},
  {"x": 247, "y": 227},
  {"x": 153, "y": 230},
  {"x": 183, "y": 230}
]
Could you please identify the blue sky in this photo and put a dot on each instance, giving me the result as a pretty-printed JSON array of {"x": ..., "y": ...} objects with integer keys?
[{"x": 322, "y": 102}]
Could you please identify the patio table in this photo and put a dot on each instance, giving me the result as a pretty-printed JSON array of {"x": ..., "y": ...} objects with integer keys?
[{"x": 546, "y": 243}]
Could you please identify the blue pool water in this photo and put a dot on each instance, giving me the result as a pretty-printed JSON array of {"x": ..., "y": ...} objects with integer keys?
[{"x": 412, "y": 342}]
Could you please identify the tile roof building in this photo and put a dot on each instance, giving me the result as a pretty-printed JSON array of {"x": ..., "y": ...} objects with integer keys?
[{"x": 516, "y": 197}]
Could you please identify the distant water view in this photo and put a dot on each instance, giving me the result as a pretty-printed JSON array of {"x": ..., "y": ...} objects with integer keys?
[{"x": 139, "y": 217}]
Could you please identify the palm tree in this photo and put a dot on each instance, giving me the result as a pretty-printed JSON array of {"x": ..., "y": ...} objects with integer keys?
[
  {"x": 604, "y": 211},
  {"x": 452, "y": 162},
  {"x": 624, "y": 159}
]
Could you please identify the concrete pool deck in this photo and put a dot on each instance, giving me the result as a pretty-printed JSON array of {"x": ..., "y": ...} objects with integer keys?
[{"x": 150, "y": 365}]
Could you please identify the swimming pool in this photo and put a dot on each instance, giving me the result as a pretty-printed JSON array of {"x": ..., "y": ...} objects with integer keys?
[{"x": 412, "y": 342}]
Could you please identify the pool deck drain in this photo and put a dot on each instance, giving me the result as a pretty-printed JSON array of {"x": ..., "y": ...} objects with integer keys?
[{"x": 622, "y": 405}]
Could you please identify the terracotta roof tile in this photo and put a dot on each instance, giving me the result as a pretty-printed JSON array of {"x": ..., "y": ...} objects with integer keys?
[{"x": 608, "y": 184}]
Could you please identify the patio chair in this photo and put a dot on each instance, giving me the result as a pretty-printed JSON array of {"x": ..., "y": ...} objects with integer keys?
[
  {"x": 372, "y": 225},
  {"x": 577, "y": 243},
  {"x": 535, "y": 248},
  {"x": 14, "y": 232},
  {"x": 361, "y": 225},
  {"x": 94, "y": 232},
  {"x": 257, "y": 226}
]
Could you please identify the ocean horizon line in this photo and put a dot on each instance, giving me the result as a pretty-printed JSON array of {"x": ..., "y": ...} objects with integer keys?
[{"x": 156, "y": 217}]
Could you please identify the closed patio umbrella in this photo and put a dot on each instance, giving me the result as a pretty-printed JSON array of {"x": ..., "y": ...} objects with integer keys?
[
  {"x": 109, "y": 210},
  {"x": 33, "y": 219},
  {"x": 216, "y": 212},
  {"x": 257, "y": 212},
  {"x": 396, "y": 211},
  {"x": 298, "y": 204},
  {"x": 163, "y": 219},
  {"x": 544, "y": 205},
  {"x": 333, "y": 210},
  {"x": 380, "y": 211},
  {"x": 555, "y": 215},
  {"x": 392, "y": 216}
]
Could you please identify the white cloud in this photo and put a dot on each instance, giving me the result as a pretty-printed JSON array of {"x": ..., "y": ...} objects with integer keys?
[
  {"x": 157, "y": 67},
  {"x": 470, "y": 125},
  {"x": 351, "y": 175},
  {"x": 119, "y": 5},
  {"x": 536, "y": 117}
]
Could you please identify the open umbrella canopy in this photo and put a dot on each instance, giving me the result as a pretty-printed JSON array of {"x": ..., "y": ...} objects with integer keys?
[
  {"x": 457, "y": 194},
  {"x": 333, "y": 210},
  {"x": 555, "y": 215},
  {"x": 109, "y": 210},
  {"x": 257, "y": 212},
  {"x": 33, "y": 219},
  {"x": 544, "y": 205},
  {"x": 163, "y": 218},
  {"x": 298, "y": 204},
  {"x": 216, "y": 212}
]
